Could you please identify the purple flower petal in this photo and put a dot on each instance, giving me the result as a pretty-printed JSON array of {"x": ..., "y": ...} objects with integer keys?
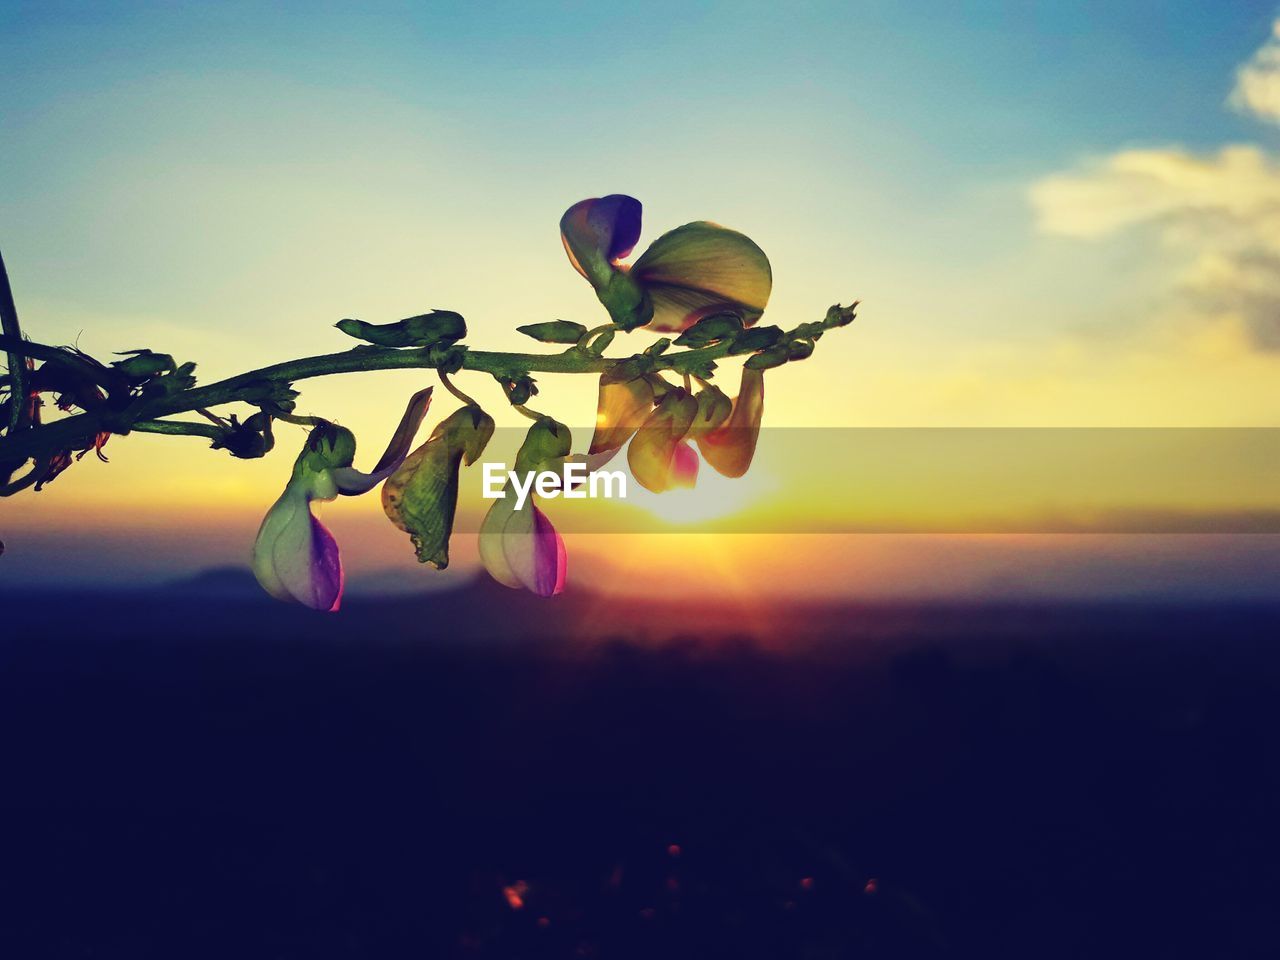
[
  {"x": 295, "y": 557},
  {"x": 684, "y": 466},
  {"x": 326, "y": 579},
  {"x": 599, "y": 232},
  {"x": 618, "y": 217}
]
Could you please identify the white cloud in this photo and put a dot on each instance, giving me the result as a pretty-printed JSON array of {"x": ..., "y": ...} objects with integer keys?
[
  {"x": 1217, "y": 212},
  {"x": 1257, "y": 89}
]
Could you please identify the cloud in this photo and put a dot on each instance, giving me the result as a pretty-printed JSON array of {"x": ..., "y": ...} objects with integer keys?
[
  {"x": 1257, "y": 89},
  {"x": 1220, "y": 212},
  {"x": 1217, "y": 212}
]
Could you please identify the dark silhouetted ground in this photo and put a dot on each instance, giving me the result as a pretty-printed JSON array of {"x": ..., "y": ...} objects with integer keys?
[{"x": 201, "y": 774}]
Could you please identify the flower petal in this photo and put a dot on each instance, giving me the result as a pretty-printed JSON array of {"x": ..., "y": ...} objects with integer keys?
[
  {"x": 730, "y": 448},
  {"x": 684, "y": 466},
  {"x": 421, "y": 497},
  {"x": 621, "y": 408},
  {"x": 351, "y": 482},
  {"x": 701, "y": 269},
  {"x": 490, "y": 542},
  {"x": 599, "y": 232},
  {"x": 295, "y": 557},
  {"x": 535, "y": 551},
  {"x": 653, "y": 450}
]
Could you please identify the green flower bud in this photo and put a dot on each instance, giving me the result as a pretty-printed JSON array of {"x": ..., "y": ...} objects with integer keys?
[
  {"x": 519, "y": 390},
  {"x": 721, "y": 326},
  {"x": 799, "y": 349},
  {"x": 765, "y": 359},
  {"x": 438, "y": 326},
  {"x": 838, "y": 316},
  {"x": 554, "y": 331},
  {"x": 144, "y": 364},
  {"x": 248, "y": 440},
  {"x": 757, "y": 338}
]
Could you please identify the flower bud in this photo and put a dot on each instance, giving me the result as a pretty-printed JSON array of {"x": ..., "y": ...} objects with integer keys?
[{"x": 428, "y": 329}]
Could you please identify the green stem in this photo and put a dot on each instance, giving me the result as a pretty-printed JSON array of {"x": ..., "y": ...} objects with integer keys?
[
  {"x": 448, "y": 385},
  {"x": 180, "y": 428},
  {"x": 299, "y": 420},
  {"x": 258, "y": 385}
]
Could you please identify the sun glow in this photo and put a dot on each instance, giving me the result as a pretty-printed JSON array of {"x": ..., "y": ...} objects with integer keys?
[{"x": 713, "y": 498}]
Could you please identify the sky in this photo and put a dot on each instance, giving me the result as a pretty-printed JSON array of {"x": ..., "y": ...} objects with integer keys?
[{"x": 1055, "y": 215}]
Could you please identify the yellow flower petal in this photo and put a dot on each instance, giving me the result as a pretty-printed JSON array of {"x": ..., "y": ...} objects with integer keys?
[
  {"x": 730, "y": 448},
  {"x": 622, "y": 408},
  {"x": 700, "y": 269}
]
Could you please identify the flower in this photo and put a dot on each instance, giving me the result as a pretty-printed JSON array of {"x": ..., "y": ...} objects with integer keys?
[
  {"x": 295, "y": 557},
  {"x": 730, "y": 447},
  {"x": 659, "y": 456},
  {"x": 621, "y": 408},
  {"x": 421, "y": 497},
  {"x": 521, "y": 548},
  {"x": 688, "y": 273}
]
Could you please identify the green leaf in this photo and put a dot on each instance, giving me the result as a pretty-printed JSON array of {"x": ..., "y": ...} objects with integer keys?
[{"x": 554, "y": 331}]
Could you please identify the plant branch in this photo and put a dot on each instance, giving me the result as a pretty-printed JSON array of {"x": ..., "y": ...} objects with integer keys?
[
  {"x": 17, "y": 362},
  {"x": 180, "y": 428},
  {"x": 258, "y": 386}
]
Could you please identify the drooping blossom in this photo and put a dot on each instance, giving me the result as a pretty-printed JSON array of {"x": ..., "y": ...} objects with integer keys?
[
  {"x": 521, "y": 548},
  {"x": 295, "y": 557},
  {"x": 688, "y": 273},
  {"x": 730, "y": 447},
  {"x": 421, "y": 497},
  {"x": 659, "y": 456},
  {"x": 622, "y": 407}
]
